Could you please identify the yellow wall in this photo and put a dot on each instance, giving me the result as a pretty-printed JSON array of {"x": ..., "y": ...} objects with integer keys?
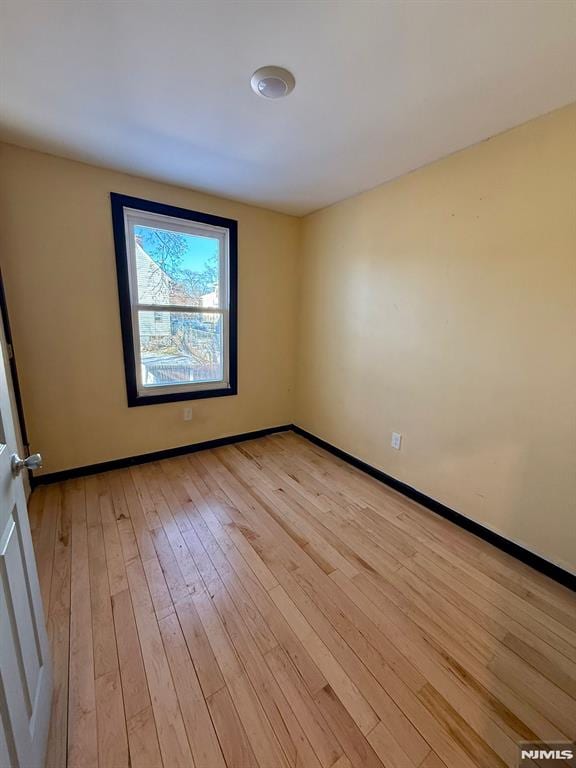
[
  {"x": 443, "y": 306},
  {"x": 57, "y": 257}
]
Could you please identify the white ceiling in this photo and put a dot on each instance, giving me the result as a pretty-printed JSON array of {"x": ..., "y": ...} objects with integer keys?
[{"x": 162, "y": 88}]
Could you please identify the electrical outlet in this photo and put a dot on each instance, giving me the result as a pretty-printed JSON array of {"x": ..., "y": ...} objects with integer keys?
[
  {"x": 396, "y": 441},
  {"x": 187, "y": 414}
]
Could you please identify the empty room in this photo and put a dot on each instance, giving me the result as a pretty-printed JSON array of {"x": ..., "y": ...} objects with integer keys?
[{"x": 287, "y": 383}]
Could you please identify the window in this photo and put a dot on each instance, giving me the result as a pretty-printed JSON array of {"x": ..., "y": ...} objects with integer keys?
[{"x": 177, "y": 283}]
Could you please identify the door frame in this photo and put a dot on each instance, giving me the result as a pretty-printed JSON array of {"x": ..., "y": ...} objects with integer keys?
[{"x": 5, "y": 320}]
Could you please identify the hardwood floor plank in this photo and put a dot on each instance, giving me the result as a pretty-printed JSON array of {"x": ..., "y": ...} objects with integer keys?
[
  {"x": 353, "y": 700},
  {"x": 105, "y": 655},
  {"x": 134, "y": 685},
  {"x": 35, "y": 509},
  {"x": 388, "y": 749},
  {"x": 455, "y": 560},
  {"x": 220, "y": 643},
  {"x": 215, "y": 567},
  {"x": 136, "y": 512},
  {"x": 497, "y": 699},
  {"x": 82, "y": 733},
  {"x": 379, "y": 685},
  {"x": 172, "y": 573},
  {"x": 332, "y": 521},
  {"x": 112, "y": 544},
  {"x": 201, "y": 734},
  {"x": 556, "y": 670},
  {"x": 279, "y": 627},
  {"x": 266, "y": 605},
  {"x": 46, "y": 508},
  {"x": 153, "y": 474},
  {"x": 265, "y": 484},
  {"x": 356, "y": 515},
  {"x": 352, "y": 482},
  {"x": 343, "y": 762},
  {"x": 433, "y": 761},
  {"x": 257, "y": 726},
  {"x": 323, "y": 741},
  {"x": 147, "y": 500},
  {"x": 199, "y": 648},
  {"x": 174, "y": 522},
  {"x": 359, "y": 631},
  {"x": 243, "y": 622},
  {"x": 159, "y": 591},
  {"x": 499, "y": 623},
  {"x": 265, "y": 687},
  {"x": 299, "y": 751},
  {"x": 493, "y": 722},
  {"x": 128, "y": 541},
  {"x": 114, "y": 480},
  {"x": 172, "y": 737},
  {"x": 497, "y": 656},
  {"x": 112, "y": 738},
  {"x": 495, "y": 599},
  {"x": 143, "y": 740},
  {"x": 479, "y": 749},
  {"x": 522, "y": 693},
  {"x": 235, "y": 744},
  {"x": 356, "y": 746},
  {"x": 58, "y": 625},
  {"x": 91, "y": 486},
  {"x": 171, "y": 508},
  {"x": 220, "y": 506},
  {"x": 537, "y": 590}
]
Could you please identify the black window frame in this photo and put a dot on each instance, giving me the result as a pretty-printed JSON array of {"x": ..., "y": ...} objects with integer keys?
[{"x": 119, "y": 202}]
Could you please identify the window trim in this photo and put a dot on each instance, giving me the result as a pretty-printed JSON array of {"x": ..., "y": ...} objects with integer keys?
[
  {"x": 173, "y": 393},
  {"x": 134, "y": 218}
]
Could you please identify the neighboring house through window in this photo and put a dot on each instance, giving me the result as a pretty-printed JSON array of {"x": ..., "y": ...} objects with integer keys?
[{"x": 177, "y": 282}]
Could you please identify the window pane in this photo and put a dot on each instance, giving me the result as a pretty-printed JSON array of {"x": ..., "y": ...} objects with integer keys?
[
  {"x": 180, "y": 347},
  {"x": 176, "y": 268}
]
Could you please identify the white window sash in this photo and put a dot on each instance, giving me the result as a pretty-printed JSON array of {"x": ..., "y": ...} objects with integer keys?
[{"x": 132, "y": 218}]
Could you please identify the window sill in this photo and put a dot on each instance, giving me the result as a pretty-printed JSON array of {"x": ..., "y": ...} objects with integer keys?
[{"x": 135, "y": 400}]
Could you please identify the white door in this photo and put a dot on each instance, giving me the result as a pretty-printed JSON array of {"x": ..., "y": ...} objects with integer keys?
[{"x": 25, "y": 671}]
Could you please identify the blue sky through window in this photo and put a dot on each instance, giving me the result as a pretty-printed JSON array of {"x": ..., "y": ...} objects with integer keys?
[{"x": 196, "y": 254}]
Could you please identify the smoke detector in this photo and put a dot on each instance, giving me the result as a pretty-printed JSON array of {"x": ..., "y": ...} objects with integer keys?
[{"x": 272, "y": 82}]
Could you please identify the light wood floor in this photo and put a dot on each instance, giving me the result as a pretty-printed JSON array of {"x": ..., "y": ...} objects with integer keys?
[{"x": 265, "y": 605}]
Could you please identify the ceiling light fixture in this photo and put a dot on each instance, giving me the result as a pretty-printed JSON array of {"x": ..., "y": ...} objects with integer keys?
[{"x": 272, "y": 82}]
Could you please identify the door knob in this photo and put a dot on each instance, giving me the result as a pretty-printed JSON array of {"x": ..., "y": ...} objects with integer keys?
[{"x": 31, "y": 462}]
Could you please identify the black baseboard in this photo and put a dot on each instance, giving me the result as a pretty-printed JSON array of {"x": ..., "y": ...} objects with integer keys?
[
  {"x": 129, "y": 461},
  {"x": 560, "y": 575},
  {"x": 520, "y": 553}
]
